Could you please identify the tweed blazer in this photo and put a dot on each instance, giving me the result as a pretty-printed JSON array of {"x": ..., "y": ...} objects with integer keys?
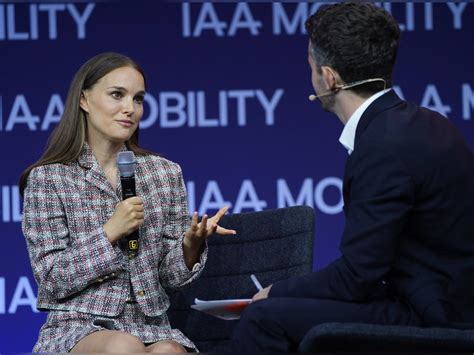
[{"x": 76, "y": 267}]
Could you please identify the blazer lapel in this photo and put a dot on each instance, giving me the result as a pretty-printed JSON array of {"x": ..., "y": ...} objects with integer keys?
[{"x": 93, "y": 172}]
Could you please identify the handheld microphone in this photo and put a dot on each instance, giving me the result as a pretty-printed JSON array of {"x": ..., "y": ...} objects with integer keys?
[
  {"x": 126, "y": 164},
  {"x": 345, "y": 87}
]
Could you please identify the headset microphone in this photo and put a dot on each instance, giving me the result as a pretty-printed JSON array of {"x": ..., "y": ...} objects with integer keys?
[{"x": 345, "y": 87}]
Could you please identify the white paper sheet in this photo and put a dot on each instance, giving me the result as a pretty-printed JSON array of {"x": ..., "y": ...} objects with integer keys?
[{"x": 223, "y": 309}]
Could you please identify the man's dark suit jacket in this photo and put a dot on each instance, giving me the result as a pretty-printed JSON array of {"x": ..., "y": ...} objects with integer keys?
[{"x": 409, "y": 208}]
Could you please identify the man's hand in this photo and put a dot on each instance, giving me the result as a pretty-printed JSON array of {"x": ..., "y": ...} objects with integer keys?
[{"x": 262, "y": 294}]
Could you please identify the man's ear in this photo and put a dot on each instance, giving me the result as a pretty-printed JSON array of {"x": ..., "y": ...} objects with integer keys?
[
  {"x": 83, "y": 102},
  {"x": 330, "y": 78}
]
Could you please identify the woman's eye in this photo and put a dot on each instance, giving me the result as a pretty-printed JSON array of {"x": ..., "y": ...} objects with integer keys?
[
  {"x": 139, "y": 99},
  {"x": 116, "y": 94}
]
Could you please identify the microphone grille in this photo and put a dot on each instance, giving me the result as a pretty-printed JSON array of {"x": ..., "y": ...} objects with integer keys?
[{"x": 126, "y": 163}]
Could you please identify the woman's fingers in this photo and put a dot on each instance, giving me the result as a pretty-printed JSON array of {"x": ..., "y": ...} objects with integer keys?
[
  {"x": 194, "y": 223},
  {"x": 217, "y": 217},
  {"x": 209, "y": 226},
  {"x": 224, "y": 231},
  {"x": 203, "y": 226}
]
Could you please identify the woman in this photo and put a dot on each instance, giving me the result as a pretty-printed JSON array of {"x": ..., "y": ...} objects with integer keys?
[{"x": 99, "y": 299}]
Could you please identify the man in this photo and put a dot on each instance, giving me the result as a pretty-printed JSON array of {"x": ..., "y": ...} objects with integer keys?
[{"x": 408, "y": 243}]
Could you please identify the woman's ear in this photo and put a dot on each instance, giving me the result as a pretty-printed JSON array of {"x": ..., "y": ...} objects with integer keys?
[{"x": 83, "y": 102}]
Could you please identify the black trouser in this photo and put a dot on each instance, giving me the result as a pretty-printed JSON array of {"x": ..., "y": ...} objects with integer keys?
[{"x": 279, "y": 324}]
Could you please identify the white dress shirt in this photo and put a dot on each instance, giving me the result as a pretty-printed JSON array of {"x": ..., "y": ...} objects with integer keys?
[{"x": 347, "y": 137}]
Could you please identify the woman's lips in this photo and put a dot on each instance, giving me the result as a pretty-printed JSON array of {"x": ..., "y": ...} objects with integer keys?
[{"x": 126, "y": 124}]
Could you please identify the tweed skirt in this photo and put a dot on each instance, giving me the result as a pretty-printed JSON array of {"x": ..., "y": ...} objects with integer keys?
[{"x": 63, "y": 329}]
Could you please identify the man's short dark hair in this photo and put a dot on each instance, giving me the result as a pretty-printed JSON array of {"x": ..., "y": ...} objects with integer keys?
[{"x": 359, "y": 40}]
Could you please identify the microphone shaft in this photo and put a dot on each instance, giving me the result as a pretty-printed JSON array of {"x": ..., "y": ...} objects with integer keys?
[
  {"x": 128, "y": 186},
  {"x": 128, "y": 190}
]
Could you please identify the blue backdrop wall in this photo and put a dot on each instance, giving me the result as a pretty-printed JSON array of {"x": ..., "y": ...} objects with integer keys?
[{"x": 227, "y": 88}]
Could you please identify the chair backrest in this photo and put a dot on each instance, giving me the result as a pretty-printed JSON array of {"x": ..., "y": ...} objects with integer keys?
[{"x": 273, "y": 245}]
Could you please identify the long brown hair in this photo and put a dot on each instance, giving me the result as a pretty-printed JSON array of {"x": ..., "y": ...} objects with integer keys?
[{"x": 67, "y": 139}]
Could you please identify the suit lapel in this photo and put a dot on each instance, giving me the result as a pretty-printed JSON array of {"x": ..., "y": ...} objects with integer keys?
[
  {"x": 93, "y": 172},
  {"x": 96, "y": 177}
]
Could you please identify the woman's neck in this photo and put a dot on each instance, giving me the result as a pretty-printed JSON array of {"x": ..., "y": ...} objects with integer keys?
[{"x": 105, "y": 152}]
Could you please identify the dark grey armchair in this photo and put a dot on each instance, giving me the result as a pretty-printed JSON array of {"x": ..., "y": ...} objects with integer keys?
[{"x": 273, "y": 245}]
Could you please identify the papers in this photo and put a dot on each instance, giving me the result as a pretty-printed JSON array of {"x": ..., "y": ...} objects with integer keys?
[{"x": 223, "y": 309}]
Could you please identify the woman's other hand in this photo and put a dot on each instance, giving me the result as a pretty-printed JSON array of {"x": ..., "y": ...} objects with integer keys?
[{"x": 197, "y": 234}]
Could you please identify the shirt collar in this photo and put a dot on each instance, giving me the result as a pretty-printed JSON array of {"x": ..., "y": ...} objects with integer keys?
[{"x": 347, "y": 137}]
